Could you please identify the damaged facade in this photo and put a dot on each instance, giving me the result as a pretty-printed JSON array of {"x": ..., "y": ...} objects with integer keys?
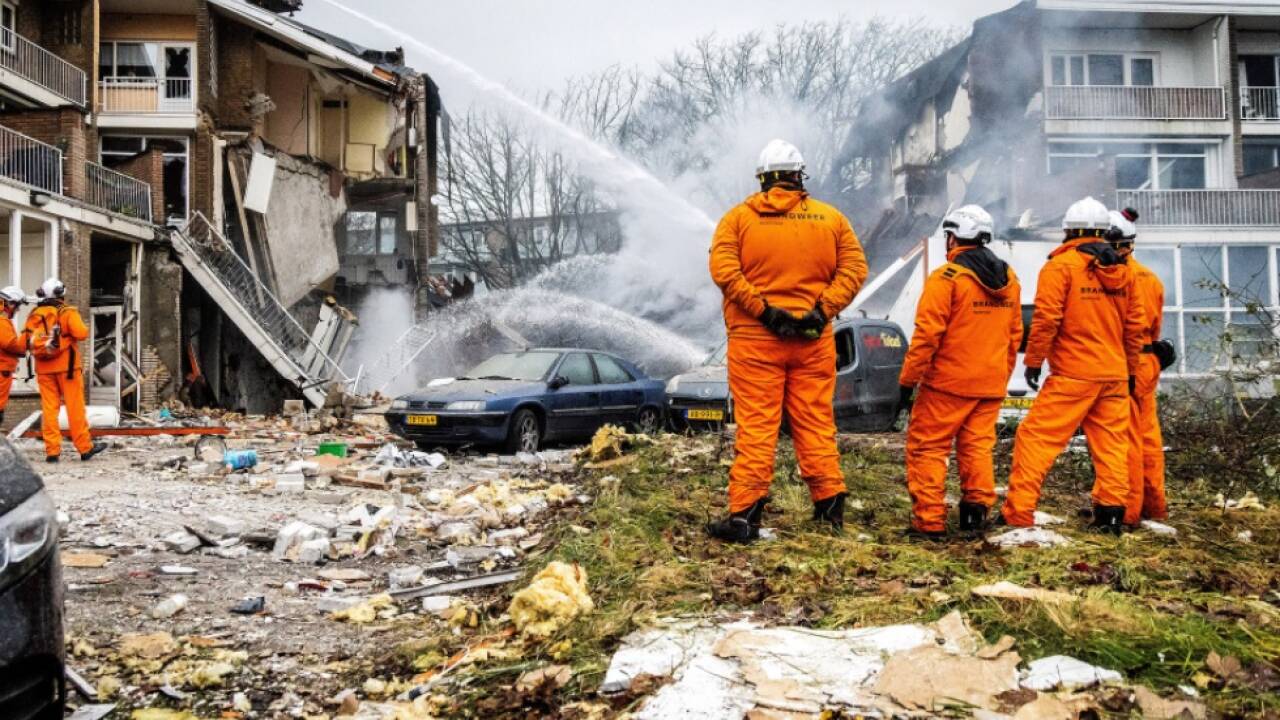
[
  {"x": 1165, "y": 107},
  {"x": 192, "y": 170}
]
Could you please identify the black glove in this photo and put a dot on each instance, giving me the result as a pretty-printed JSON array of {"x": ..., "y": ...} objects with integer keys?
[
  {"x": 1032, "y": 376},
  {"x": 779, "y": 322},
  {"x": 1133, "y": 384},
  {"x": 904, "y": 396},
  {"x": 813, "y": 323}
]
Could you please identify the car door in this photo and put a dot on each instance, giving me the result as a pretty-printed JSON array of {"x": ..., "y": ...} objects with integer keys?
[
  {"x": 620, "y": 394},
  {"x": 883, "y": 348},
  {"x": 849, "y": 379},
  {"x": 575, "y": 406}
]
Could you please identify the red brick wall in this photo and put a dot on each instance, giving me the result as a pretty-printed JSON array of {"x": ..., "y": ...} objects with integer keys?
[
  {"x": 235, "y": 69},
  {"x": 149, "y": 168}
]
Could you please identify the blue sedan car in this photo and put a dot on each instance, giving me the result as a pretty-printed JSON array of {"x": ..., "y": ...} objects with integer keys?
[{"x": 522, "y": 400}]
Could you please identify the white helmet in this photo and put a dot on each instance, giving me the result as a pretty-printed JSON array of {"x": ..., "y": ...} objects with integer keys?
[
  {"x": 1087, "y": 214},
  {"x": 13, "y": 294},
  {"x": 1123, "y": 228},
  {"x": 779, "y": 155},
  {"x": 970, "y": 222},
  {"x": 51, "y": 288}
]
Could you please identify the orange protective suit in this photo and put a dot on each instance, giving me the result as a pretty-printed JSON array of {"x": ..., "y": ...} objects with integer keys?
[
  {"x": 1146, "y": 444},
  {"x": 12, "y": 348},
  {"x": 59, "y": 376},
  {"x": 783, "y": 248},
  {"x": 1089, "y": 324},
  {"x": 964, "y": 347}
]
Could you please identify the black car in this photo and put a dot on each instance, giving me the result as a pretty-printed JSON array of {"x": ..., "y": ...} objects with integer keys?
[
  {"x": 31, "y": 644},
  {"x": 869, "y": 355},
  {"x": 520, "y": 400}
]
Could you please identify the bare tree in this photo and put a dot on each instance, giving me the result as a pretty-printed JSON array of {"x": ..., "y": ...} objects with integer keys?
[{"x": 515, "y": 209}]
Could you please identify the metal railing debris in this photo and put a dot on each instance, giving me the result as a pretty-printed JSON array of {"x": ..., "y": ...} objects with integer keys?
[{"x": 250, "y": 304}]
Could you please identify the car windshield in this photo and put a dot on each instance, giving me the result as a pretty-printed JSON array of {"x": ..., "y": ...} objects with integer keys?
[
  {"x": 717, "y": 356},
  {"x": 529, "y": 366}
]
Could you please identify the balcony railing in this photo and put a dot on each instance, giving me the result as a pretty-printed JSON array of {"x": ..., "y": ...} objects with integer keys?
[
  {"x": 144, "y": 96},
  {"x": 30, "y": 162},
  {"x": 117, "y": 192},
  {"x": 28, "y": 60},
  {"x": 1204, "y": 208},
  {"x": 1122, "y": 102},
  {"x": 1260, "y": 104}
]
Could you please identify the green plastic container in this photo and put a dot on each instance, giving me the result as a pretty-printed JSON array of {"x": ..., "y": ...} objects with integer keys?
[{"x": 337, "y": 449}]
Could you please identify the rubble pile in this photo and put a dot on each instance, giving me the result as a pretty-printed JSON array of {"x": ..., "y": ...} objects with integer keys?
[{"x": 225, "y": 559}]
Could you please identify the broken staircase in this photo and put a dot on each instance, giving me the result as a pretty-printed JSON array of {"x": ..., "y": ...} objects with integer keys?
[{"x": 249, "y": 303}]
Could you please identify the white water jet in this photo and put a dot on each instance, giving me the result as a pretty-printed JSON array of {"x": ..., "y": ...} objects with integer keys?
[{"x": 662, "y": 269}]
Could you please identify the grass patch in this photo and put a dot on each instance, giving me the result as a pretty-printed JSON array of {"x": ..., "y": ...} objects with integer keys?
[{"x": 1153, "y": 608}]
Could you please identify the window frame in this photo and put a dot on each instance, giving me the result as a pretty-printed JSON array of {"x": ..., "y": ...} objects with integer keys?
[
  {"x": 168, "y": 155},
  {"x": 1211, "y": 155},
  {"x": 1126, "y": 61},
  {"x": 596, "y": 359},
  {"x": 595, "y": 375},
  {"x": 9, "y": 34}
]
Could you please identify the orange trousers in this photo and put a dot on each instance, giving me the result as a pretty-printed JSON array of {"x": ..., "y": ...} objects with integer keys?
[
  {"x": 56, "y": 390},
  {"x": 6, "y": 386},
  {"x": 1146, "y": 449},
  {"x": 1063, "y": 405},
  {"x": 939, "y": 419},
  {"x": 766, "y": 375}
]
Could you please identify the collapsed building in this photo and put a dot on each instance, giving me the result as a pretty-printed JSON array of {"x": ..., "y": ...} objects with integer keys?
[
  {"x": 216, "y": 183},
  {"x": 1167, "y": 107}
]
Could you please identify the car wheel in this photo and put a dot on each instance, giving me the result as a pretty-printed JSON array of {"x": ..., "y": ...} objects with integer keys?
[
  {"x": 649, "y": 421},
  {"x": 525, "y": 433}
]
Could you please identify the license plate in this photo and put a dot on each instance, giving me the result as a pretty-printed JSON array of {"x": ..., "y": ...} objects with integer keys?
[
  {"x": 421, "y": 419},
  {"x": 1017, "y": 403},
  {"x": 713, "y": 415}
]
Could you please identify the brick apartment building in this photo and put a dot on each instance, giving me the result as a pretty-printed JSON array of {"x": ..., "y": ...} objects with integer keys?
[{"x": 202, "y": 175}]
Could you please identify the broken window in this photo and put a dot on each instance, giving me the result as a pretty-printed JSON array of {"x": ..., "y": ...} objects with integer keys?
[{"x": 117, "y": 149}]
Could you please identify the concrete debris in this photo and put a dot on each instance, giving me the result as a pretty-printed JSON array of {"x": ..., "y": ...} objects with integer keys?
[
  {"x": 1029, "y": 537},
  {"x": 1159, "y": 528},
  {"x": 169, "y": 607},
  {"x": 404, "y": 577},
  {"x": 222, "y": 526},
  {"x": 1012, "y": 591},
  {"x": 1248, "y": 501},
  {"x": 291, "y": 538},
  {"x": 1065, "y": 673},
  {"x": 554, "y": 599},
  {"x": 182, "y": 542}
]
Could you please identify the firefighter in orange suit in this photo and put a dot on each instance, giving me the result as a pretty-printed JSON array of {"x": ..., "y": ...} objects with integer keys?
[
  {"x": 1146, "y": 445},
  {"x": 13, "y": 346},
  {"x": 964, "y": 348},
  {"x": 1089, "y": 324},
  {"x": 53, "y": 331},
  {"x": 787, "y": 264}
]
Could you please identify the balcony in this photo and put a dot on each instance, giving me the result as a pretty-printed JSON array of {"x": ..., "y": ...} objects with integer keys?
[
  {"x": 1260, "y": 104},
  {"x": 30, "y": 162},
  {"x": 35, "y": 65},
  {"x": 117, "y": 192},
  {"x": 1124, "y": 102},
  {"x": 146, "y": 96},
  {"x": 1204, "y": 208}
]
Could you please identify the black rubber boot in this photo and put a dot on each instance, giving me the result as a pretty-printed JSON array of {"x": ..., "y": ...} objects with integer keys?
[
  {"x": 740, "y": 527},
  {"x": 973, "y": 517},
  {"x": 831, "y": 510},
  {"x": 97, "y": 448},
  {"x": 51, "y": 458},
  {"x": 1108, "y": 519}
]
